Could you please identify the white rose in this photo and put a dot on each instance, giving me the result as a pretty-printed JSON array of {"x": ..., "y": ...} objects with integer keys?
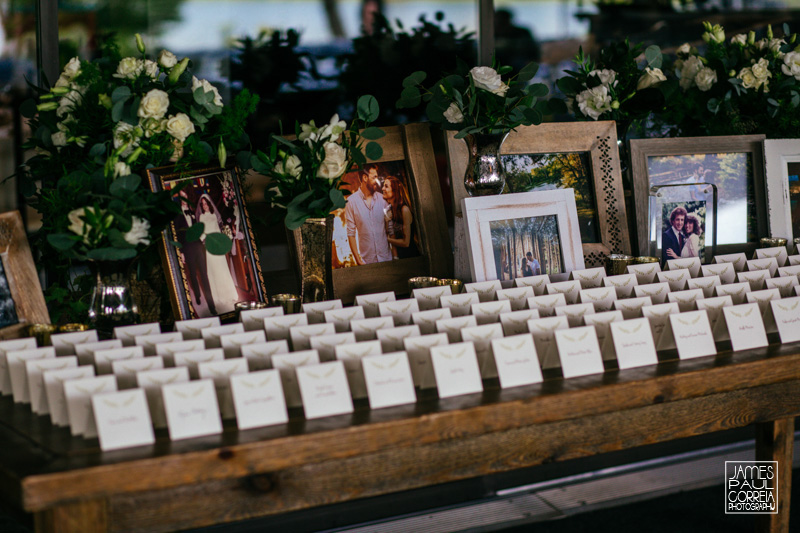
[
  {"x": 335, "y": 162},
  {"x": 486, "y": 78},
  {"x": 705, "y": 78},
  {"x": 151, "y": 69},
  {"x": 139, "y": 232},
  {"x": 290, "y": 166},
  {"x": 125, "y": 133},
  {"x": 740, "y": 38},
  {"x": 121, "y": 168},
  {"x": 153, "y": 126},
  {"x": 607, "y": 77},
  {"x": 73, "y": 68},
  {"x": 594, "y": 102},
  {"x": 791, "y": 65},
  {"x": 180, "y": 126},
  {"x": 685, "y": 48},
  {"x": 761, "y": 69},
  {"x": 59, "y": 138},
  {"x": 749, "y": 81},
  {"x": 207, "y": 87},
  {"x": 651, "y": 77},
  {"x": 129, "y": 68},
  {"x": 761, "y": 44},
  {"x": 167, "y": 59},
  {"x": 453, "y": 114},
  {"x": 154, "y": 104},
  {"x": 502, "y": 90},
  {"x": 689, "y": 70}
]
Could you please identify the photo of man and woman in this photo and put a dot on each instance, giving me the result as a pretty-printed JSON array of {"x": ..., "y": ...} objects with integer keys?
[
  {"x": 378, "y": 224},
  {"x": 526, "y": 247},
  {"x": 683, "y": 225}
]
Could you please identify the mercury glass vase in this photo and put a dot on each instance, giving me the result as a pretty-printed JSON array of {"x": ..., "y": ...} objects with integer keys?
[
  {"x": 485, "y": 174},
  {"x": 311, "y": 245},
  {"x": 112, "y": 302}
]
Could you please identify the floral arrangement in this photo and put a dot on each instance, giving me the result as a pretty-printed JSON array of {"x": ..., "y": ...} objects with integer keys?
[
  {"x": 479, "y": 100},
  {"x": 97, "y": 130},
  {"x": 738, "y": 86},
  {"x": 306, "y": 172}
]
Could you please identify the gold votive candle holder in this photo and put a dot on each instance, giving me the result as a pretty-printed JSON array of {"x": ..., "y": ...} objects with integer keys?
[
  {"x": 41, "y": 332},
  {"x": 289, "y": 302},
  {"x": 456, "y": 285},
  {"x": 72, "y": 327},
  {"x": 644, "y": 259},
  {"x": 773, "y": 242},
  {"x": 248, "y": 306},
  {"x": 422, "y": 282},
  {"x": 617, "y": 264}
]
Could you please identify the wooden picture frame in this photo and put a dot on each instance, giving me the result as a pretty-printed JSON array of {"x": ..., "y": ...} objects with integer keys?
[
  {"x": 599, "y": 140},
  {"x": 752, "y": 145},
  {"x": 189, "y": 294},
  {"x": 19, "y": 280},
  {"x": 778, "y": 154},
  {"x": 410, "y": 144}
]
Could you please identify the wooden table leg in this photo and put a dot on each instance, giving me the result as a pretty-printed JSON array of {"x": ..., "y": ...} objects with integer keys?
[
  {"x": 87, "y": 516},
  {"x": 774, "y": 442}
]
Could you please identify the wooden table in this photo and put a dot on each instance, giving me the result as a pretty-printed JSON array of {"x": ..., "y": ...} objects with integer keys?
[{"x": 71, "y": 486}]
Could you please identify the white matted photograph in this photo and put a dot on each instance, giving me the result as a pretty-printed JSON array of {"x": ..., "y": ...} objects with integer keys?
[
  {"x": 782, "y": 161},
  {"x": 524, "y": 234}
]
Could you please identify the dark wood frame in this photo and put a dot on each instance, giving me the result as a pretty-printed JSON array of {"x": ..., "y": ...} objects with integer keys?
[
  {"x": 176, "y": 277},
  {"x": 641, "y": 149}
]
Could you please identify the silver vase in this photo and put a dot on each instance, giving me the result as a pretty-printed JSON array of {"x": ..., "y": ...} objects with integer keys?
[{"x": 485, "y": 174}]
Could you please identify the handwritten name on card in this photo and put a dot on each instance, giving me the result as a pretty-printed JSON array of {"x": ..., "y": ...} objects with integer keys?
[
  {"x": 693, "y": 336},
  {"x": 579, "y": 352},
  {"x": 258, "y": 399},
  {"x": 745, "y": 327},
  {"x": 633, "y": 343},
  {"x": 516, "y": 360},
  {"x": 123, "y": 419},
  {"x": 543, "y": 331},
  {"x": 325, "y": 390},
  {"x": 787, "y": 318},
  {"x": 389, "y": 380},
  {"x": 456, "y": 369},
  {"x": 192, "y": 409}
]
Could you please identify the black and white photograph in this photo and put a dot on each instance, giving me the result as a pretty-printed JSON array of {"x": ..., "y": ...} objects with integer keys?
[
  {"x": 683, "y": 233},
  {"x": 526, "y": 247},
  {"x": 8, "y": 310}
]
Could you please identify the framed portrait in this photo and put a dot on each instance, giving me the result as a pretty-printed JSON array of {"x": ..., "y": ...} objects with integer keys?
[
  {"x": 21, "y": 297},
  {"x": 579, "y": 155},
  {"x": 393, "y": 227},
  {"x": 734, "y": 164},
  {"x": 782, "y": 158},
  {"x": 523, "y": 234},
  {"x": 203, "y": 284}
]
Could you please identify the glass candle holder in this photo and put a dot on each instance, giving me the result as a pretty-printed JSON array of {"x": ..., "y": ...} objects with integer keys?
[
  {"x": 773, "y": 242},
  {"x": 73, "y": 327},
  {"x": 289, "y": 302},
  {"x": 617, "y": 264},
  {"x": 456, "y": 285},
  {"x": 643, "y": 259},
  {"x": 422, "y": 282},
  {"x": 41, "y": 332}
]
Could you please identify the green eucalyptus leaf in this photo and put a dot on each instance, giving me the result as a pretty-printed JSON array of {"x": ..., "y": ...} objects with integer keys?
[
  {"x": 117, "y": 239},
  {"x": 125, "y": 185},
  {"x": 337, "y": 198},
  {"x": 97, "y": 150},
  {"x": 295, "y": 216},
  {"x": 528, "y": 72},
  {"x": 410, "y": 97},
  {"x": 538, "y": 90},
  {"x": 201, "y": 96},
  {"x": 373, "y": 150},
  {"x": 505, "y": 69},
  {"x": 218, "y": 244},
  {"x": 120, "y": 94},
  {"x": 372, "y": 133},
  {"x": 368, "y": 108},
  {"x": 358, "y": 156},
  {"x": 62, "y": 241},
  {"x": 653, "y": 56},
  {"x": 415, "y": 78},
  {"x": 319, "y": 203},
  {"x": 116, "y": 110}
]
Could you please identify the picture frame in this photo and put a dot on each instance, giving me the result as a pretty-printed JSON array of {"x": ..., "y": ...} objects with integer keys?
[
  {"x": 507, "y": 233},
  {"x": 410, "y": 146},
  {"x": 779, "y": 156},
  {"x": 19, "y": 280},
  {"x": 215, "y": 198},
  {"x": 598, "y": 140},
  {"x": 742, "y": 210}
]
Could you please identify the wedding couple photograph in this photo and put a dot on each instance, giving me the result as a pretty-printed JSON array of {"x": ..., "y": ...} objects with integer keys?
[
  {"x": 684, "y": 225},
  {"x": 525, "y": 247}
]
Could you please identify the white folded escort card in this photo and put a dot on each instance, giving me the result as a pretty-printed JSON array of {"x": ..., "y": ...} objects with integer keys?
[
  {"x": 456, "y": 369},
  {"x": 392, "y": 338},
  {"x": 212, "y": 336},
  {"x": 706, "y": 284},
  {"x": 763, "y": 299},
  {"x": 543, "y": 331},
  {"x": 656, "y": 291},
  {"x": 326, "y": 344},
  {"x": 516, "y": 361},
  {"x": 191, "y": 359},
  {"x": 400, "y": 311},
  {"x": 127, "y": 334},
  {"x": 517, "y": 296},
  {"x": 168, "y": 350},
  {"x": 677, "y": 279},
  {"x": 579, "y": 352},
  {"x": 351, "y": 355},
  {"x": 149, "y": 342},
  {"x": 232, "y": 344},
  {"x": 516, "y": 322},
  {"x": 287, "y": 364},
  {"x": 570, "y": 289},
  {"x": 426, "y": 320},
  {"x": 778, "y": 253},
  {"x": 713, "y": 306},
  {"x": 575, "y": 313},
  {"x": 122, "y": 419},
  {"x": 220, "y": 372},
  {"x": 428, "y": 298},
  {"x": 602, "y": 298},
  {"x": 315, "y": 311},
  {"x": 658, "y": 315},
  {"x": 64, "y": 343},
  {"x": 460, "y": 304},
  {"x": 277, "y": 327},
  {"x": 54, "y": 390},
  {"x": 78, "y": 394},
  {"x": 324, "y": 389},
  {"x": 370, "y": 302},
  {"x": 756, "y": 278},
  {"x": 787, "y": 318},
  {"x": 104, "y": 358},
  {"x": 11, "y": 346},
  {"x": 16, "y": 369},
  {"x": 546, "y": 305},
  {"x": 793, "y": 270},
  {"x": 85, "y": 352},
  {"x": 253, "y": 319},
  {"x": 301, "y": 335},
  {"x": 693, "y": 336},
  {"x": 739, "y": 260},
  {"x": 152, "y": 381},
  {"x": 34, "y": 371},
  {"x": 368, "y": 328},
  {"x": 686, "y": 299},
  {"x": 453, "y": 326},
  {"x": 784, "y": 284},
  {"x": 481, "y": 338},
  {"x": 745, "y": 327},
  {"x": 193, "y": 329},
  {"x": 589, "y": 278},
  {"x": 632, "y": 307},
  {"x": 725, "y": 271},
  {"x": 633, "y": 343},
  {"x": 259, "y": 356},
  {"x": 258, "y": 399},
  {"x": 692, "y": 264},
  {"x": 737, "y": 291},
  {"x": 793, "y": 260},
  {"x": 419, "y": 357},
  {"x": 341, "y": 318},
  {"x": 486, "y": 290},
  {"x": 489, "y": 312},
  {"x": 623, "y": 284},
  {"x": 770, "y": 264},
  {"x": 645, "y": 273},
  {"x": 125, "y": 370},
  {"x": 389, "y": 380},
  {"x": 191, "y": 409},
  {"x": 602, "y": 324},
  {"x": 537, "y": 283}
]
